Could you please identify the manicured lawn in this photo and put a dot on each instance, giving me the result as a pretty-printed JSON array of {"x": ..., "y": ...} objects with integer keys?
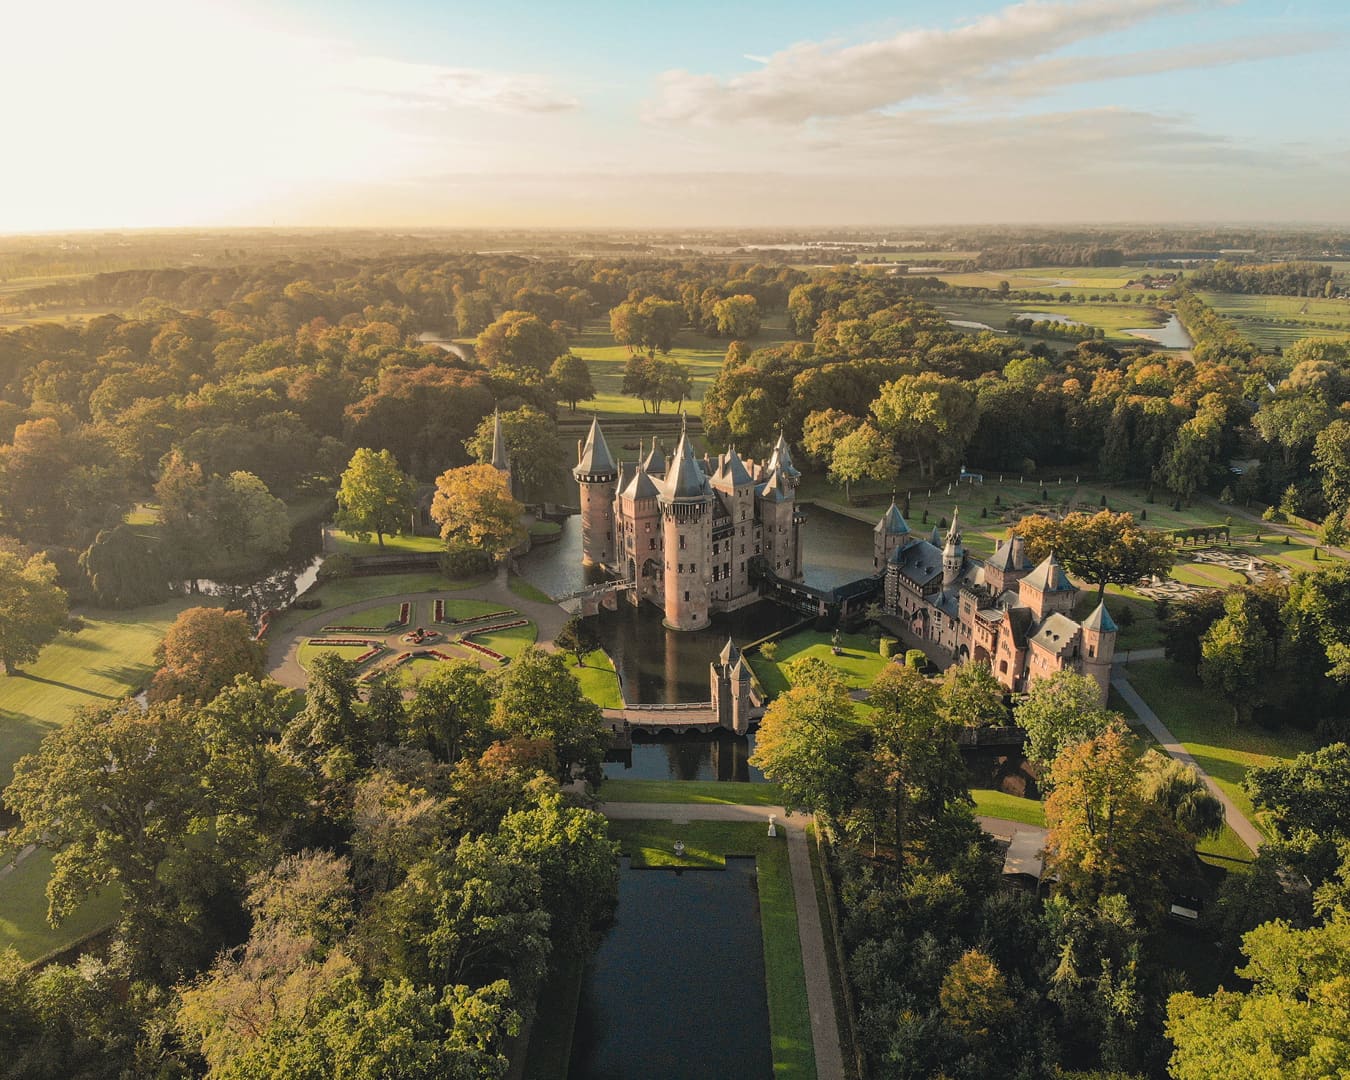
[
  {"x": 691, "y": 791},
  {"x": 510, "y": 642},
  {"x": 858, "y": 661},
  {"x": 466, "y": 610},
  {"x": 1204, "y": 727},
  {"x": 708, "y": 843},
  {"x": 997, "y": 804},
  {"x": 113, "y": 656},
  {"x": 599, "y": 681},
  {"x": 380, "y": 617},
  {"x": 526, "y": 591},
  {"x": 23, "y": 911},
  {"x": 1207, "y": 574},
  {"x": 308, "y": 651},
  {"x": 346, "y": 544},
  {"x": 344, "y": 591}
]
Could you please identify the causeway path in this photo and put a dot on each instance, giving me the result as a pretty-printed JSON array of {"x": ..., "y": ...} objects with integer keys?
[{"x": 283, "y": 664}]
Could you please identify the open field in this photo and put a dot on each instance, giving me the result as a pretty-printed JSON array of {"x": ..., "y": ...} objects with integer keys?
[
  {"x": 708, "y": 843},
  {"x": 23, "y": 911},
  {"x": 346, "y": 544},
  {"x": 1114, "y": 319},
  {"x": 1203, "y": 725},
  {"x": 63, "y": 313},
  {"x": 691, "y": 791},
  {"x": 700, "y": 354},
  {"x": 998, "y": 804},
  {"x": 1278, "y": 321}
]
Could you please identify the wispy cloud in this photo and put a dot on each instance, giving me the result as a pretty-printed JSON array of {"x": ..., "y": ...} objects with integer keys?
[{"x": 1011, "y": 50}]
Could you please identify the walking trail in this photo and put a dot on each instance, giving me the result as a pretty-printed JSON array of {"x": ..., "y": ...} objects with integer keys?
[
  {"x": 282, "y": 651},
  {"x": 1235, "y": 818}
]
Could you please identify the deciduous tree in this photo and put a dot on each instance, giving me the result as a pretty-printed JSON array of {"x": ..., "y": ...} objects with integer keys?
[
  {"x": 539, "y": 698},
  {"x": 862, "y": 454},
  {"x": 1060, "y": 711},
  {"x": 32, "y": 608},
  {"x": 204, "y": 650},
  {"x": 572, "y": 376},
  {"x": 473, "y": 505},
  {"x": 375, "y": 496},
  {"x": 1103, "y": 549}
]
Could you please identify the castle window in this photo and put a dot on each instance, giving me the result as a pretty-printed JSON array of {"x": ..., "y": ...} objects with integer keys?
[
  {"x": 1091, "y": 652},
  {"x": 681, "y": 568},
  {"x": 651, "y": 544},
  {"x": 716, "y": 549},
  {"x": 681, "y": 541},
  {"x": 693, "y": 568},
  {"x": 1003, "y": 667},
  {"x": 686, "y": 596}
]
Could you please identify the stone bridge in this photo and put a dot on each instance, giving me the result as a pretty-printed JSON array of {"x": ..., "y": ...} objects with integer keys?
[{"x": 684, "y": 716}]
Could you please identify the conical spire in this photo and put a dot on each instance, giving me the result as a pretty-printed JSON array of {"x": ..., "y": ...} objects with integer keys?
[
  {"x": 1049, "y": 576},
  {"x": 729, "y": 654},
  {"x": 954, "y": 533},
  {"x": 1100, "y": 620},
  {"x": 595, "y": 456},
  {"x": 500, "y": 460},
  {"x": 686, "y": 479},
  {"x": 892, "y": 522},
  {"x": 655, "y": 462},
  {"x": 781, "y": 461}
]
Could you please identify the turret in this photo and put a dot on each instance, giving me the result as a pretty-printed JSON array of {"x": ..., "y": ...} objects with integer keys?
[
  {"x": 598, "y": 476},
  {"x": 729, "y": 679},
  {"x": 686, "y": 512},
  {"x": 891, "y": 532},
  {"x": 1099, "y": 647},
  {"x": 953, "y": 554},
  {"x": 501, "y": 460}
]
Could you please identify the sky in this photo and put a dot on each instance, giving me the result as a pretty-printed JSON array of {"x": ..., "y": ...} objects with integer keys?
[{"x": 590, "y": 113}]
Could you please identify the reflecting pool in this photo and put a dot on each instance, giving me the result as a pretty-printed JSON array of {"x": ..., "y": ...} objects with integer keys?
[
  {"x": 719, "y": 755},
  {"x": 676, "y": 990}
]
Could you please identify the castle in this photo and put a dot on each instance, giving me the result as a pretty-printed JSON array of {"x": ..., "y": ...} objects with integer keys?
[
  {"x": 685, "y": 531},
  {"x": 1016, "y": 617}
]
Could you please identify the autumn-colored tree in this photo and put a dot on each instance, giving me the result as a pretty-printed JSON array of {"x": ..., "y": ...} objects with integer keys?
[
  {"x": 974, "y": 995},
  {"x": 1105, "y": 835},
  {"x": 473, "y": 505},
  {"x": 32, "y": 608},
  {"x": 375, "y": 496},
  {"x": 931, "y": 416},
  {"x": 863, "y": 454},
  {"x": 519, "y": 339},
  {"x": 204, "y": 650},
  {"x": 537, "y": 454},
  {"x": 737, "y": 316},
  {"x": 1104, "y": 548}
]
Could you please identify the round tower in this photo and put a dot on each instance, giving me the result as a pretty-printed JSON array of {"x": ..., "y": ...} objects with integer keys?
[
  {"x": 1099, "y": 647},
  {"x": 891, "y": 532},
  {"x": 598, "y": 477},
  {"x": 685, "y": 502}
]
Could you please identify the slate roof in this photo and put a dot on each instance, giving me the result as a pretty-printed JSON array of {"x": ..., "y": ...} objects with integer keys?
[
  {"x": 729, "y": 654},
  {"x": 1055, "y": 634},
  {"x": 1019, "y": 622},
  {"x": 655, "y": 461},
  {"x": 686, "y": 479},
  {"x": 1100, "y": 619},
  {"x": 733, "y": 470},
  {"x": 1004, "y": 558},
  {"x": 773, "y": 489},
  {"x": 641, "y": 486},
  {"x": 892, "y": 522},
  {"x": 920, "y": 563},
  {"x": 595, "y": 455},
  {"x": 782, "y": 459},
  {"x": 1049, "y": 576}
]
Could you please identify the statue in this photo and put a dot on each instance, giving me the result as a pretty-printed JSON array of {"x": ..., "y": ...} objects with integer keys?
[
  {"x": 773, "y": 829},
  {"x": 679, "y": 849}
]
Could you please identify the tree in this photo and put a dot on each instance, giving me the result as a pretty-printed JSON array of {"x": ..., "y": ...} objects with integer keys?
[
  {"x": 473, "y": 312},
  {"x": 1331, "y": 458},
  {"x": 250, "y": 524},
  {"x": 1105, "y": 837},
  {"x": 862, "y": 454},
  {"x": 1306, "y": 794},
  {"x": 450, "y": 708},
  {"x": 1179, "y": 789},
  {"x": 125, "y": 569},
  {"x": 1235, "y": 656},
  {"x": 577, "y": 636},
  {"x": 930, "y": 415},
  {"x": 572, "y": 376},
  {"x": 375, "y": 496},
  {"x": 822, "y": 431},
  {"x": 1060, "y": 711},
  {"x": 539, "y": 698},
  {"x": 1103, "y": 549},
  {"x": 737, "y": 317},
  {"x": 520, "y": 340},
  {"x": 1291, "y": 1025},
  {"x": 806, "y": 740},
  {"x": 537, "y": 455},
  {"x": 329, "y": 724},
  {"x": 32, "y": 608},
  {"x": 473, "y": 505},
  {"x": 974, "y": 995},
  {"x": 1317, "y": 615},
  {"x": 1185, "y": 623},
  {"x": 113, "y": 794},
  {"x": 971, "y": 697},
  {"x": 204, "y": 650},
  {"x": 654, "y": 381}
]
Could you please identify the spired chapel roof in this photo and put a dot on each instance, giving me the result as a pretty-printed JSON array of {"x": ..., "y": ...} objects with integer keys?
[{"x": 892, "y": 522}]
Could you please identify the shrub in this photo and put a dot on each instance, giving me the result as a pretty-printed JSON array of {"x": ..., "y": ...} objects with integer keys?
[
  {"x": 465, "y": 560},
  {"x": 336, "y": 566},
  {"x": 886, "y": 646},
  {"x": 769, "y": 650},
  {"x": 1271, "y": 513},
  {"x": 1125, "y": 618},
  {"x": 916, "y": 659}
]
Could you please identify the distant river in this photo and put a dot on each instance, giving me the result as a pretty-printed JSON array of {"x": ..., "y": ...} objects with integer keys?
[{"x": 1171, "y": 336}]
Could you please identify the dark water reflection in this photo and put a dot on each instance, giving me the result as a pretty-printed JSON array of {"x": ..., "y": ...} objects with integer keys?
[
  {"x": 676, "y": 990},
  {"x": 298, "y": 570},
  {"x": 716, "y": 756}
]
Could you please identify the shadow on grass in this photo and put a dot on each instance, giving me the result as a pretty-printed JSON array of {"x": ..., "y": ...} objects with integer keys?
[{"x": 65, "y": 686}]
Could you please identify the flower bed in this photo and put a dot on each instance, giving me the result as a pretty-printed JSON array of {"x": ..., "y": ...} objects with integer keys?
[
  {"x": 341, "y": 641},
  {"x": 438, "y": 611},
  {"x": 495, "y": 627},
  {"x": 492, "y": 654},
  {"x": 358, "y": 629},
  {"x": 440, "y": 615},
  {"x": 404, "y": 613}
]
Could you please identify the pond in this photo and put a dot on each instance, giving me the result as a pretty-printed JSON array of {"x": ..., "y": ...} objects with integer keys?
[
  {"x": 1171, "y": 336},
  {"x": 279, "y": 587},
  {"x": 1046, "y": 316},
  {"x": 719, "y": 755},
  {"x": 676, "y": 990}
]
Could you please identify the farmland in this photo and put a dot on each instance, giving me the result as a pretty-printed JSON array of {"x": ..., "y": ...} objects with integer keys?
[{"x": 1278, "y": 321}]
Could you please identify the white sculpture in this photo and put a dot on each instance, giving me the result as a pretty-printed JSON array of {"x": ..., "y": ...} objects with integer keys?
[{"x": 773, "y": 829}]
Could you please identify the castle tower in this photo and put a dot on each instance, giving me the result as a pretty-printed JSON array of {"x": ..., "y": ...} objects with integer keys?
[
  {"x": 953, "y": 554},
  {"x": 638, "y": 537},
  {"x": 1099, "y": 647},
  {"x": 501, "y": 460},
  {"x": 686, "y": 503},
  {"x": 1047, "y": 589},
  {"x": 778, "y": 527},
  {"x": 737, "y": 487},
  {"x": 729, "y": 678},
  {"x": 1008, "y": 566},
  {"x": 598, "y": 477},
  {"x": 781, "y": 462},
  {"x": 891, "y": 532}
]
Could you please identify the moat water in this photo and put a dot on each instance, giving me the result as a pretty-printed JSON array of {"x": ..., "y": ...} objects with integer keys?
[{"x": 682, "y": 996}]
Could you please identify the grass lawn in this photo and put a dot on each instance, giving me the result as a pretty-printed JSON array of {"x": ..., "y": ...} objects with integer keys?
[
  {"x": 732, "y": 792},
  {"x": 1202, "y": 724},
  {"x": 308, "y": 652},
  {"x": 346, "y": 544},
  {"x": 344, "y": 591},
  {"x": 510, "y": 642},
  {"x": 1208, "y": 574},
  {"x": 468, "y": 610},
  {"x": 1113, "y": 318},
  {"x": 526, "y": 591},
  {"x": 708, "y": 843},
  {"x": 997, "y": 804},
  {"x": 599, "y": 681},
  {"x": 23, "y": 911},
  {"x": 858, "y": 662},
  {"x": 113, "y": 656},
  {"x": 379, "y": 617}
]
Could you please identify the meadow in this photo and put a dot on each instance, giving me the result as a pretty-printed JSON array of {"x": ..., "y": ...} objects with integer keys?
[
  {"x": 1114, "y": 319},
  {"x": 1278, "y": 321}
]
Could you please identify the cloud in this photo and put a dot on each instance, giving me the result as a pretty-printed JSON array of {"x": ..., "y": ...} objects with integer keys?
[{"x": 1015, "y": 45}]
